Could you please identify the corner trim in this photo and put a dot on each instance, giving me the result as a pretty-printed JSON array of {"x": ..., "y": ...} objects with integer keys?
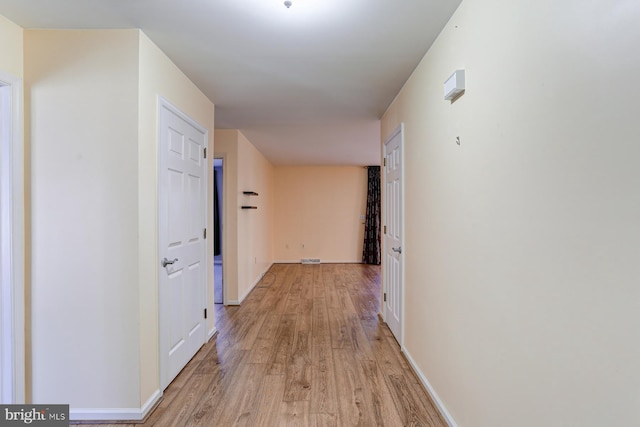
[
  {"x": 427, "y": 385},
  {"x": 151, "y": 403},
  {"x": 212, "y": 333},
  {"x": 253, "y": 285},
  {"x": 117, "y": 414},
  {"x": 12, "y": 259}
]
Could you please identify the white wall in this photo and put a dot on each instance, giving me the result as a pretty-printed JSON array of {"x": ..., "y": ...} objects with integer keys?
[
  {"x": 82, "y": 97},
  {"x": 522, "y": 243}
]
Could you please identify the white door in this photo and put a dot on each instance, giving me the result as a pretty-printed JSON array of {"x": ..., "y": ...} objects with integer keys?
[
  {"x": 394, "y": 215},
  {"x": 182, "y": 249}
]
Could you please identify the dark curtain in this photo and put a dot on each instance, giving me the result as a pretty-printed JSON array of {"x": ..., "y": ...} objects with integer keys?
[
  {"x": 216, "y": 216},
  {"x": 371, "y": 253}
]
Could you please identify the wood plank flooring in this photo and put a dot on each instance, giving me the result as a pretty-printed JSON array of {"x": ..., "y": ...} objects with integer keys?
[{"x": 306, "y": 348}]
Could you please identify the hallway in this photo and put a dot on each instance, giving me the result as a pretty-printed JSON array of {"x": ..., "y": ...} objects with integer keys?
[{"x": 306, "y": 348}]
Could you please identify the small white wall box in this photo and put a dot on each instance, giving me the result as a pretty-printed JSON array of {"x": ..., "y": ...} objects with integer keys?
[{"x": 454, "y": 85}]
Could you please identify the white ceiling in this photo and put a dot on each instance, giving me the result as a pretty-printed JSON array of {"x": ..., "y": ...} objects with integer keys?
[{"x": 306, "y": 85}]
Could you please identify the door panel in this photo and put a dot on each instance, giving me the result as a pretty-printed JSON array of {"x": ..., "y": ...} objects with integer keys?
[
  {"x": 196, "y": 220},
  {"x": 394, "y": 234},
  {"x": 181, "y": 220},
  {"x": 174, "y": 201},
  {"x": 176, "y": 290}
]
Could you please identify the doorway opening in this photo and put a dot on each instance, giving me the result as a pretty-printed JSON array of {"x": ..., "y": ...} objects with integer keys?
[{"x": 218, "y": 216}]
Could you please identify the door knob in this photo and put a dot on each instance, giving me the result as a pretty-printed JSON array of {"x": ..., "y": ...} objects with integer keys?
[
  {"x": 398, "y": 249},
  {"x": 166, "y": 261}
]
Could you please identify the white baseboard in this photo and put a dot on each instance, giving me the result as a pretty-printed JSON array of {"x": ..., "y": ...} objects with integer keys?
[
  {"x": 212, "y": 333},
  {"x": 322, "y": 261},
  {"x": 261, "y": 276},
  {"x": 253, "y": 285},
  {"x": 232, "y": 302},
  {"x": 434, "y": 396},
  {"x": 151, "y": 403},
  {"x": 116, "y": 414}
]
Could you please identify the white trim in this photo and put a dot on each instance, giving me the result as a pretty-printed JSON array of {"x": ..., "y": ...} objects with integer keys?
[
  {"x": 322, "y": 261},
  {"x": 223, "y": 212},
  {"x": 212, "y": 333},
  {"x": 253, "y": 285},
  {"x": 398, "y": 130},
  {"x": 12, "y": 347},
  {"x": 337, "y": 261},
  {"x": 432, "y": 392},
  {"x": 116, "y": 414},
  {"x": 150, "y": 403}
]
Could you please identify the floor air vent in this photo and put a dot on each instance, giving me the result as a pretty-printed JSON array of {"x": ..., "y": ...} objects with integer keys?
[{"x": 310, "y": 260}]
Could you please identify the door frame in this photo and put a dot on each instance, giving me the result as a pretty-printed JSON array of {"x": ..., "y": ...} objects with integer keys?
[
  {"x": 385, "y": 286},
  {"x": 166, "y": 104},
  {"x": 12, "y": 259},
  {"x": 223, "y": 236}
]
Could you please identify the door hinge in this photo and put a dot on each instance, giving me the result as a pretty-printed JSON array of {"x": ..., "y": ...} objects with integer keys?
[
  {"x": 385, "y": 297},
  {"x": 205, "y": 313},
  {"x": 384, "y": 162},
  {"x": 385, "y": 229},
  {"x": 205, "y": 152},
  {"x": 204, "y": 233}
]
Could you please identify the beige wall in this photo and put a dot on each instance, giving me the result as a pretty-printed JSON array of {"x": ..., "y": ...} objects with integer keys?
[
  {"x": 521, "y": 246},
  {"x": 248, "y": 233},
  {"x": 255, "y": 226},
  {"x": 317, "y": 213},
  {"x": 318, "y": 206},
  {"x": 160, "y": 77},
  {"x": 11, "y": 46},
  {"x": 82, "y": 97},
  {"x": 92, "y": 99}
]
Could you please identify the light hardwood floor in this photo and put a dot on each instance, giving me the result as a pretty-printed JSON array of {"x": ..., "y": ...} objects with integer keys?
[{"x": 306, "y": 348}]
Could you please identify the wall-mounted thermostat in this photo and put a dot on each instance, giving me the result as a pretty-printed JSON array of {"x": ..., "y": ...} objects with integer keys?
[{"x": 454, "y": 85}]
